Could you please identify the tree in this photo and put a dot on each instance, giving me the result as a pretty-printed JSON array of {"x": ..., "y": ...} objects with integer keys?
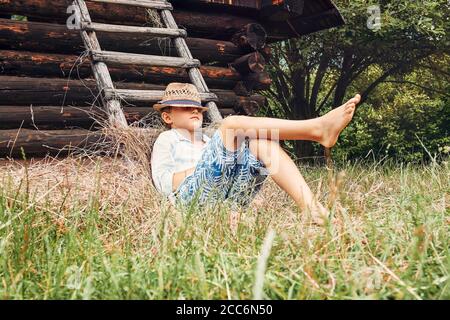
[
  {"x": 407, "y": 122},
  {"x": 314, "y": 73}
]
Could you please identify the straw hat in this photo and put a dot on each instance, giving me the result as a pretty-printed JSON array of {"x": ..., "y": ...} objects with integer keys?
[{"x": 180, "y": 95}]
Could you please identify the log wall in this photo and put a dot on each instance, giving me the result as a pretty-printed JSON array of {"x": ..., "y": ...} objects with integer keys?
[{"x": 47, "y": 93}]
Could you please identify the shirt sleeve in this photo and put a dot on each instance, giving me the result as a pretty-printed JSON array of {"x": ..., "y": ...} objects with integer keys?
[{"x": 163, "y": 164}]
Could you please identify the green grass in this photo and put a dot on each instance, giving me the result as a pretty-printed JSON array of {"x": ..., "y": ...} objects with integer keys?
[{"x": 89, "y": 239}]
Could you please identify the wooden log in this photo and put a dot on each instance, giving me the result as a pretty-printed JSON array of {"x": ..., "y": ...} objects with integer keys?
[
  {"x": 252, "y": 82},
  {"x": 54, "y": 38},
  {"x": 266, "y": 52},
  {"x": 281, "y": 10},
  {"x": 257, "y": 81},
  {"x": 36, "y": 142},
  {"x": 54, "y": 117},
  {"x": 212, "y": 25},
  {"x": 19, "y": 63},
  {"x": 311, "y": 21},
  {"x": 227, "y": 112},
  {"x": 61, "y": 92},
  {"x": 24, "y": 63},
  {"x": 248, "y": 107},
  {"x": 46, "y": 117},
  {"x": 250, "y": 37},
  {"x": 252, "y": 62}
]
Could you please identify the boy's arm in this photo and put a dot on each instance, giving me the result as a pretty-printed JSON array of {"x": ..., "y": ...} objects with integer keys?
[
  {"x": 178, "y": 177},
  {"x": 163, "y": 163}
]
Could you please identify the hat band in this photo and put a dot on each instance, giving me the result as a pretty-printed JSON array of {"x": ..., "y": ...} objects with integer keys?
[{"x": 188, "y": 102}]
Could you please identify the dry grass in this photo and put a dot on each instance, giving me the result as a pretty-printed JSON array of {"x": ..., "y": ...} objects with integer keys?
[
  {"x": 94, "y": 227},
  {"x": 393, "y": 242}
]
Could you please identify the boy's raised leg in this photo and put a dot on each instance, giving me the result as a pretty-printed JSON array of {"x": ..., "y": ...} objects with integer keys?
[{"x": 325, "y": 129}]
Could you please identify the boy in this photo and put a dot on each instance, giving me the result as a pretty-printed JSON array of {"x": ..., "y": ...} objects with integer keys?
[{"x": 234, "y": 163}]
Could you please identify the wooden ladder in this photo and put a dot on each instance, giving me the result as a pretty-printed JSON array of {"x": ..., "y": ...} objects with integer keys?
[{"x": 99, "y": 58}]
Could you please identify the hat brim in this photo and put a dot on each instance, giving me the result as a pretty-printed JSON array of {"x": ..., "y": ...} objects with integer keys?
[{"x": 159, "y": 106}]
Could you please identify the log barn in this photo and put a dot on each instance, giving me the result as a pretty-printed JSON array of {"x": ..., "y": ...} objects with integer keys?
[{"x": 47, "y": 86}]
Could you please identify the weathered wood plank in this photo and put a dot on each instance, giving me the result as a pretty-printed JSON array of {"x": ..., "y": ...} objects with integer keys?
[
  {"x": 157, "y": 32},
  {"x": 143, "y": 59},
  {"x": 149, "y": 95}
]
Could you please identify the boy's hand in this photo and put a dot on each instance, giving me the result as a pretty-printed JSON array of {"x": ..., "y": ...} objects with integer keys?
[{"x": 178, "y": 177}]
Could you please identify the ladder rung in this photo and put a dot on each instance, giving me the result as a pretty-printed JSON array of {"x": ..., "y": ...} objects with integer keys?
[
  {"x": 148, "y": 95},
  {"x": 151, "y": 4},
  {"x": 143, "y": 59},
  {"x": 103, "y": 27}
]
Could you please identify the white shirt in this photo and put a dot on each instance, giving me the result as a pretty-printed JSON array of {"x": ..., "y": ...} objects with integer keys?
[{"x": 171, "y": 153}]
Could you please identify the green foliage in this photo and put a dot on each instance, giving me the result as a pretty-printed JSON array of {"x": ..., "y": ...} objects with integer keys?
[
  {"x": 408, "y": 129},
  {"x": 395, "y": 222},
  {"x": 408, "y": 121},
  {"x": 318, "y": 72},
  {"x": 19, "y": 18}
]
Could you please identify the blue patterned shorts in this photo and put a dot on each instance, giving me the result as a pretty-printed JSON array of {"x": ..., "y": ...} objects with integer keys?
[{"x": 221, "y": 175}]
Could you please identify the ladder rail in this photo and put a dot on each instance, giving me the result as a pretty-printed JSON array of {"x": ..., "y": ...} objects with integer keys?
[
  {"x": 194, "y": 73},
  {"x": 116, "y": 116}
]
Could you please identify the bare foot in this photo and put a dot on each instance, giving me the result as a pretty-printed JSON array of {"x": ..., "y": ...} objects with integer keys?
[{"x": 336, "y": 120}]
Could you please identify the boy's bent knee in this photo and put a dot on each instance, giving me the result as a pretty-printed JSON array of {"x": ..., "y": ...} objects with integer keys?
[
  {"x": 232, "y": 130},
  {"x": 228, "y": 132},
  {"x": 267, "y": 151}
]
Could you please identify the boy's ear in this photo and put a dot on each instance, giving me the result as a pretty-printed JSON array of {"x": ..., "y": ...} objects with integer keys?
[{"x": 166, "y": 118}]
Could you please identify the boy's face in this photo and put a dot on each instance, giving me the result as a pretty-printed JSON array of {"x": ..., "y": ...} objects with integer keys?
[{"x": 189, "y": 118}]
